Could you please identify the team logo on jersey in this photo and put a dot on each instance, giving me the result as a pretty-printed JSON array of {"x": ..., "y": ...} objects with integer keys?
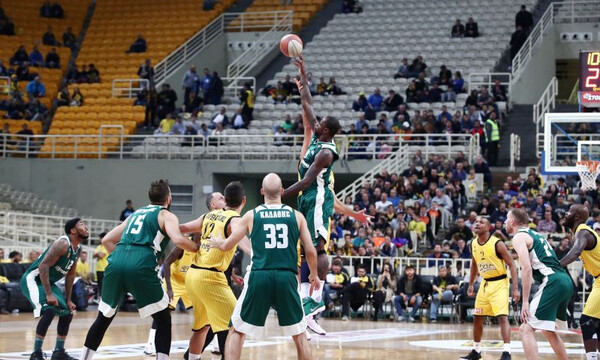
[{"x": 485, "y": 267}]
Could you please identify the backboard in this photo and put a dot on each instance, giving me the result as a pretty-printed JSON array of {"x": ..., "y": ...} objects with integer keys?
[{"x": 561, "y": 135}]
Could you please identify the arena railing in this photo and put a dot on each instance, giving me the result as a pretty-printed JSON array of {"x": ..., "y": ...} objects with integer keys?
[
  {"x": 229, "y": 146},
  {"x": 477, "y": 80},
  {"x": 227, "y": 22},
  {"x": 37, "y": 229},
  {"x": 397, "y": 162},
  {"x": 128, "y": 88},
  {"x": 234, "y": 85},
  {"x": 4, "y": 85},
  {"x": 557, "y": 12},
  {"x": 545, "y": 104},
  {"x": 283, "y": 24},
  {"x": 565, "y": 145},
  {"x": 515, "y": 150}
]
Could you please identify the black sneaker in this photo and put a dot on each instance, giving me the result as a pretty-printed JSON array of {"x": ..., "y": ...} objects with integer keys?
[
  {"x": 505, "y": 356},
  {"x": 473, "y": 355},
  {"x": 187, "y": 354},
  {"x": 61, "y": 354},
  {"x": 37, "y": 355}
]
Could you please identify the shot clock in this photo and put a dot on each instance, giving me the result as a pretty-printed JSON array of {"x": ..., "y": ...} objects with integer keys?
[{"x": 589, "y": 78}]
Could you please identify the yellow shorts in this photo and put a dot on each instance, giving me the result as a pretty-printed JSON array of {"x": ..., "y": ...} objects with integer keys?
[
  {"x": 179, "y": 292},
  {"x": 592, "y": 303},
  {"x": 492, "y": 298},
  {"x": 212, "y": 299}
]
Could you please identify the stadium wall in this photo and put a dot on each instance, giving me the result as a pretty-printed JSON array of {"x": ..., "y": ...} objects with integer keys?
[
  {"x": 99, "y": 188},
  {"x": 542, "y": 66}
]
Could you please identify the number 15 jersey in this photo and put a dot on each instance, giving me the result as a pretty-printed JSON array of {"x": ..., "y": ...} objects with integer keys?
[{"x": 274, "y": 238}]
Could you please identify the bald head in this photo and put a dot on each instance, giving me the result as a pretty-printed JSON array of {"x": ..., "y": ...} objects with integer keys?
[
  {"x": 272, "y": 186},
  {"x": 577, "y": 214}
]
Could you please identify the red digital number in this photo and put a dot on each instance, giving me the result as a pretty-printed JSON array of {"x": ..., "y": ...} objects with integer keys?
[{"x": 592, "y": 77}]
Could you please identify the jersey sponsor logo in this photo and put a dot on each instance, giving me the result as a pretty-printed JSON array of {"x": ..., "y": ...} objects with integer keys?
[
  {"x": 216, "y": 217},
  {"x": 274, "y": 214},
  {"x": 485, "y": 267},
  {"x": 477, "y": 311}
]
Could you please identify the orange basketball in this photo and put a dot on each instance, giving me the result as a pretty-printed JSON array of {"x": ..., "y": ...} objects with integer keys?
[{"x": 290, "y": 45}]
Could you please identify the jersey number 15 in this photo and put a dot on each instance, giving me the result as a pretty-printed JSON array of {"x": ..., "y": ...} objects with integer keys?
[{"x": 277, "y": 235}]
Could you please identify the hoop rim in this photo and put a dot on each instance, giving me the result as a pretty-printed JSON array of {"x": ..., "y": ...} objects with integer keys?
[{"x": 591, "y": 165}]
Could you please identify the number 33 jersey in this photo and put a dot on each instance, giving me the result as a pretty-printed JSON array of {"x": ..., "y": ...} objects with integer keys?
[
  {"x": 215, "y": 224},
  {"x": 274, "y": 238}
]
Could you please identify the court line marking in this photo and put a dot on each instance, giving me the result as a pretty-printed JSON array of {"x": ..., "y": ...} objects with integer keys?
[
  {"x": 125, "y": 350},
  {"x": 370, "y": 334},
  {"x": 495, "y": 346}
]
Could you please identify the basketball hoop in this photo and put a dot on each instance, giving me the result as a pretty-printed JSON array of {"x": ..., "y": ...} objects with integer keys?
[{"x": 588, "y": 172}]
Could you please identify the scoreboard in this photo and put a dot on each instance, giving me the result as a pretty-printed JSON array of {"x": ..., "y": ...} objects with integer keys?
[{"x": 589, "y": 78}]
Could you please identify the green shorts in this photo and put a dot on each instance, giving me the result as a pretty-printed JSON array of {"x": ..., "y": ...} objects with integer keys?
[
  {"x": 132, "y": 269},
  {"x": 548, "y": 308},
  {"x": 317, "y": 208},
  {"x": 34, "y": 292},
  {"x": 266, "y": 289}
]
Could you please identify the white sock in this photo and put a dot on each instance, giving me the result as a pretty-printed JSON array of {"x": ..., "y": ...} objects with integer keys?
[
  {"x": 88, "y": 354},
  {"x": 591, "y": 356},
  {"x": 506, "y": 347},
  {"x": 477, "y": 346},
  {"x": 304, "y": 290},
  {"x": 151, "y": 336},
  {"x": 317, "y": 295},
  {"x": 161, "y": 356},
  {"x": 194, "y": 356}
]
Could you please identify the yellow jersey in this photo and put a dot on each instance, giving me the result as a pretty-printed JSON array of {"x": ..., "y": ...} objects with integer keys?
[
  {"x": 215, "y": 224},
  {"x": 180, "y": 267},
  {"x": 83, "y": 270},
  {"x": 101, "y": 264},
  {"x": 591, "y": 258},
  {"x": 489, "y": 263}
]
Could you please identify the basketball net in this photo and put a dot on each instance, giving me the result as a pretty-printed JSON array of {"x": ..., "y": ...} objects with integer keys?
[{"x": 588, "y": 172}]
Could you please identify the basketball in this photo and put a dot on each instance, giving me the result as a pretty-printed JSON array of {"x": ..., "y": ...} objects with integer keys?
[{"x": 291, "y": 45}]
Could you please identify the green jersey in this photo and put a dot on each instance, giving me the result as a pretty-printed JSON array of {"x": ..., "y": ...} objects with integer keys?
[
  {"x": 544, "y": 261},
  {"x": 274, "y": 238},
  {"x": 325, "y": 177},
  {"x": 143, "y": 230},
  {"x": 60, "y": 268}
]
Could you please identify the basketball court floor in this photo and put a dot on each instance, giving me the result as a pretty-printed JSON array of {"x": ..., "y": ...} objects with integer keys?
[{"x": 355, "y": 339}]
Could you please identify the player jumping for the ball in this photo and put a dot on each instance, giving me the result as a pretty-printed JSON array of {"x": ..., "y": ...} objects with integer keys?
[
  {"x": 316, "y": 199},
  {"x": 339, "y": 207}
]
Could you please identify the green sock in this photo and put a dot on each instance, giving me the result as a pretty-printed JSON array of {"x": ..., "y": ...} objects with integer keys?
[
  {"x": 37, "y": 344},
  {"x": 60, "y": 344}
]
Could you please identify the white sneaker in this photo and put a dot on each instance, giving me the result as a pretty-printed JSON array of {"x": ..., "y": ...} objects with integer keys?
[
  {"x": 411, "y": 319},
  {"x": 149, "y": 349},
  {"x": 214, "y": 347},
  {"x": 401, "y": 318},
  {"x": 344, "y": 318},
  {"x": 314, "y": 326},
  {"x": 308, "y": 335}
]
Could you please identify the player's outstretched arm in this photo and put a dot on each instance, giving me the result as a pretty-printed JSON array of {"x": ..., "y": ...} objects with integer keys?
[
  {"x": 239, "y": 230},
  {"x": 111, "y": 239},
  {"x": 57, "y": 249},
  {"x": 175, "y": 254},
  {"x": 194, "y": 226},
  {"x": 360, "y": 216},
  {"x": 322, "y": 160},
  {"x": 171, "y": 223},
  {"x": 582, "y": 240},
  {"x": 520, "y": 245},
  {"x": 309, "y": 251},
  {"x": 506, "y": 256},
  {"x": 305, "y": 96}
]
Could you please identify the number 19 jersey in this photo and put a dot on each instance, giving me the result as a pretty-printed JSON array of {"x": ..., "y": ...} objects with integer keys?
[{"x": 274, "y": 238}]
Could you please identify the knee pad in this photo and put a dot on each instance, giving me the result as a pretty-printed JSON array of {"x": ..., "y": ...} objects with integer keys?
[
  {"x": 45, "y": 321},
  {"x": 162, "y": 318},
  {"x": 63, "y": 325},
  {"x": 304, "y": 272},
  {"x": 588, "y": 327}
]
